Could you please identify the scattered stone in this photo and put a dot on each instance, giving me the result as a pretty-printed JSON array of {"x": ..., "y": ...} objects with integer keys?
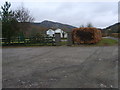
[
  {"x": 5, "y": 80},
  {"x": 111, "y": 86},
  {"x": 19, "y": 80},
  {"x": 30, "y": 85},
  {"x": 22, "y": 82},
  {"x": 63, "y": 71},
  {"x": 100, "y": 59},
  {"x": 65, "y": 76},
  {"x": 102, "y": 85}
]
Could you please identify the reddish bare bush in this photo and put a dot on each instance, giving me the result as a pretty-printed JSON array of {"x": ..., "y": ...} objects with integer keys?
[{"x": 86, "y": 35}]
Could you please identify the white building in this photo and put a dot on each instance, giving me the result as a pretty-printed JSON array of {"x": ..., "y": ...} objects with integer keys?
[{"x": 50, "y": 32}]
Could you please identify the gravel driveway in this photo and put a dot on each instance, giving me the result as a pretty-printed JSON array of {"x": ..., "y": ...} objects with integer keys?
[{"x": 60, "y": 67}]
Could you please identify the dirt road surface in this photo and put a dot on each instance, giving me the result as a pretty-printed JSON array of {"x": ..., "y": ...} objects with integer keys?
[{"x": 60, "y": 67}]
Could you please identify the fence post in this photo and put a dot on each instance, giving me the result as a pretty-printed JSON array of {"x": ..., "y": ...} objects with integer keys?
[
  {"x": 69, "y": 39},
  {"x": 57, "y": 39}
]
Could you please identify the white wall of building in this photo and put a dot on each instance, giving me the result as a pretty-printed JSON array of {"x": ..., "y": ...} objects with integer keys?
[{"x": 50, "y": 32}]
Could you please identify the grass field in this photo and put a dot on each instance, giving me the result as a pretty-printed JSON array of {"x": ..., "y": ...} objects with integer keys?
[
  {"x": 107, "y": 42},
  {"x": 103, "y": 42}
]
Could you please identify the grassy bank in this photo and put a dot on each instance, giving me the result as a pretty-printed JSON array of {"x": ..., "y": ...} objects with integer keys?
[
  {"x": 107, "y": 42},
  {"x": 103, "y": 42}
]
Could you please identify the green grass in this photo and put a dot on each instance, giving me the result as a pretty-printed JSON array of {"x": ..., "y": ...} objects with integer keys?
[
  {"x": 103, "y": 42},
  {"x": 63, "y": 38},
  {"x": 107, "y": 42},
  {"x": 63, "y": 42},
  {"x": 38, "y": 44},
  {"x": 34, "y": 44}
]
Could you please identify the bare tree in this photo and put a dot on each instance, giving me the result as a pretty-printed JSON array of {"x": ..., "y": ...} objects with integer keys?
[
  {"x": 81, "y": 26},
  {"x": 24, "y": 18},
  {"x": 23, "y": 15},
  {"x": 89, "y": 25}
]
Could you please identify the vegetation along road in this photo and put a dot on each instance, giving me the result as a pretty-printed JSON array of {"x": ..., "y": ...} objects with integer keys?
[{"x": 60, "y": 67}]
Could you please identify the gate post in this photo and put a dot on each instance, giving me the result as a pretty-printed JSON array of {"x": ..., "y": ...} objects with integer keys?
[
  {"x": 57, "y": 39},
  {"x": 69, "y": 39}
]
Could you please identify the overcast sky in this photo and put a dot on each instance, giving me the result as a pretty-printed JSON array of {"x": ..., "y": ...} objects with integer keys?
[{"x": 100, "y": 14}]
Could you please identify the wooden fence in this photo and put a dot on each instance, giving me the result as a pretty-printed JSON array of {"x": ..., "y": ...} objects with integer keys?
[{"x": 45, "y": 40}]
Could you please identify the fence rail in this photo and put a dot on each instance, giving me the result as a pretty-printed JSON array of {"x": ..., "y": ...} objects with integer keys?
[{"x": 46, "y": 40}]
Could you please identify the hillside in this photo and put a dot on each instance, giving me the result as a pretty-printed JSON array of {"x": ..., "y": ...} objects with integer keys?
[
  {"x": 115, "y": 28},
  {"x": 43, "y": 26},
  {"x": 53, "y": 25}
]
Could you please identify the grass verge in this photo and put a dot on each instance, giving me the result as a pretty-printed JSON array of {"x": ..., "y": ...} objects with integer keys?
[
  {"x": 107, "y": 42},
  {"x": 103, "y": 42}
]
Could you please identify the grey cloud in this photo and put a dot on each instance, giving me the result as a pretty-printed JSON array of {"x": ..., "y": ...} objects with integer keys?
[{"x": 101, "y": 14}]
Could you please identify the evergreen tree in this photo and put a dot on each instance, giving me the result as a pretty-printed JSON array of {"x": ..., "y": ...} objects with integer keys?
[{"x": 9, "y": 22}]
